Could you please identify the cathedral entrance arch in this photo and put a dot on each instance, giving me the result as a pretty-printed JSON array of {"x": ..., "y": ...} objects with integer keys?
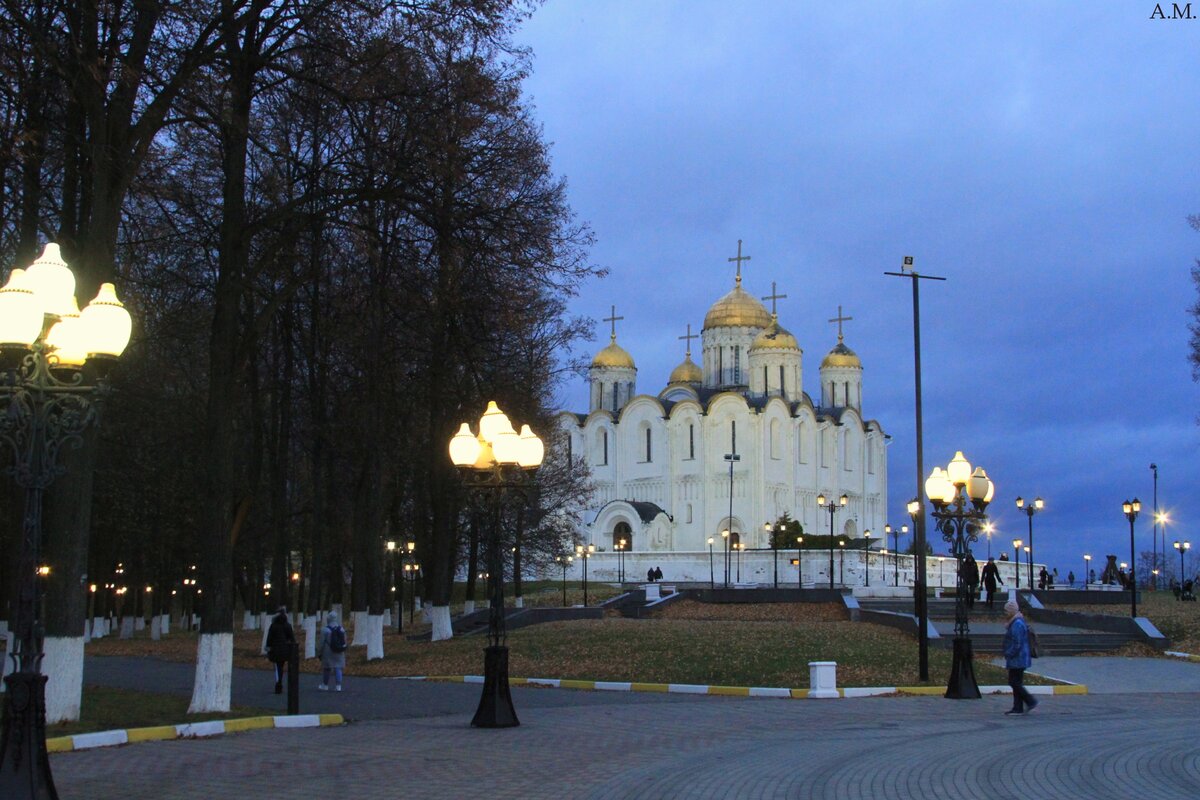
[{"x": 622, "y": 536}]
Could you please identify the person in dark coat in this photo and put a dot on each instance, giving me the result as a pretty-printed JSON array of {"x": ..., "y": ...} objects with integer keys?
[
  {"x": 1017, "y": 659},
  {"x": 280, "y": 641},
  {"x": 970, "y": 578},
  {"x": 1042, "y": 577},
  {"x": 658, "y": 573},
  {"x": 991, "y": 574}
]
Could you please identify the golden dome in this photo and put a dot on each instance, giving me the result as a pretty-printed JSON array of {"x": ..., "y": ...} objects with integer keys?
[
  {"x": 737, "y": 309},
  {"x": 687, "y": 372},
  {"x": 613, "y": 356},
  {"x": 841, "y": 356},
  {"x": 774, "y": 337}
]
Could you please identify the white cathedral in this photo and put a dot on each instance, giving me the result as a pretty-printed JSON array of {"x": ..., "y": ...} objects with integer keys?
[{"x": 661, "y": 462}]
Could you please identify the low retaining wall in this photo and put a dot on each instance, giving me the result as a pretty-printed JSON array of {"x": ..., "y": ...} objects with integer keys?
[
  {"x": 1095, "y": 596},
  {"x": 1138, "y": 627}
]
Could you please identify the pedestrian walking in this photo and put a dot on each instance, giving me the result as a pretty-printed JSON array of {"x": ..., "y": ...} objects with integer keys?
[
  {"x": 658, "y": 573},
  {"x": 1017, "y": 659},
  {"x": 332, "y": 652},
  {"x": 1071, "y": 579},
  {"x": 991, "y": 574},
  {"x": 970, "y": 578},
  {"x": 280, "y": 641}
]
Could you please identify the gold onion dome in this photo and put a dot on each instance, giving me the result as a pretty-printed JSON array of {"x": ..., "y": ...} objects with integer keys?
[
  {"x": 774, "y": 337},
  {"x": 687, "y": 372},
  {"x": 613, "y": 356},
  {"x": 737, "y": 309},
  {"x": 841, "y": 356}
]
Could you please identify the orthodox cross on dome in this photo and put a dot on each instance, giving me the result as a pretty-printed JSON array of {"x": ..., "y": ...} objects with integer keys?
[
  {"x": 839, "y": 319},
  {"x": 773, "y": 297},
  {"x": 689, "y": 338},
  {"x": 739, "y": 259},
  {"x": 613, "y": 319}
]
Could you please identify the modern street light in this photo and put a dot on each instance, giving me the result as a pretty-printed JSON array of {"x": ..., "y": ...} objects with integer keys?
[
  {"x": 740, "y": 546},
  {"x": 1182, "y": 547},
  {"x": 712, "y": 578},
  {"x": 841, "y": 562},
  {"x": 732, "y": 458},
  {"x": 867, "y": 556},
  {"x": 833, "y": 507},
  {"x": 1029, "y": 564},
  {"x": 895, "y": 547},
  {"x": 883, "y": 567},
  {"x": 1131, "y": 509},
  {"x": 799, "y": 563},
  {"x": 1087, "y": 565},
  {"x": 1017, "y": 560},
  {"x": 960, "y": 497},
  {"x": 620, "y": 548},
  {"x": 498, "y": 463},
  {"x": 1030, "y": 509},
  {"x": 564, "y": 562},
  {"x": 585, "y": 554},
  {"x": 54, "y": 360}
]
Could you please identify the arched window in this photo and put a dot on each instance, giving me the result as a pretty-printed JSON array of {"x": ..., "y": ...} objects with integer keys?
[
  {"x": 775, "y": 444},
  {"x": 734, "y": 539},
  {"x": 602, "y": 447},
  {"x": 691, "y": 442},
  {"x": 622, "y": 537},
  {"x": 649, "y": 454}
]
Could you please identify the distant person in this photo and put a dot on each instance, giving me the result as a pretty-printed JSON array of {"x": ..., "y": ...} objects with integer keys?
[
  {"x": 280, "y": 641},
  {"x": 1004, "y": 556},
  {"x": 657, "y": 574},
  {"x": 1042, "y": 576},
  {"x": 332, "y": 652},
  {"x": 1071, "y": 579},
  {"x": 991, "y": 575},
  {"x": 1091, "y": 576},
  {"x": 970, "y": 578},
  {"x": 1017, "y": 659},
  {"x": 650, "y": 575}
]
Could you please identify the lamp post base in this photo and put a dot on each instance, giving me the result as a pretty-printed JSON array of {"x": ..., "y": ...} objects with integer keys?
[
  {"x": 495, "y": 706},
  {"x": 24, "y": 760},
  {"x": 962, "y": 672}
]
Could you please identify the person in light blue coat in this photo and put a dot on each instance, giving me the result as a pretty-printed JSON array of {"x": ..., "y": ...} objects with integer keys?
[
  {"x": 1017, "y": 659},
  {"x": 331, "y": 661}
]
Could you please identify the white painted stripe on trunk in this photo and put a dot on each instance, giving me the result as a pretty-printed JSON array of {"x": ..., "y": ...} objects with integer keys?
[
  {"x": 443, "y": 629},
  {"x": 374, "y": 636},
  {"x": 214, "y": 671},
  {"x": 63, "y": 664}
]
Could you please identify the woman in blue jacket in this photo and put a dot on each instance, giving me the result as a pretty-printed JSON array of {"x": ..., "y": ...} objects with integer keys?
[{"x": 1016, "y": 658}]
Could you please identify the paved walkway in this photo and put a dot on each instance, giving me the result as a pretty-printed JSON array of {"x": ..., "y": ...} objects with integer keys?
[
  {"x": 593, "y": 745},
  {"x": 1116, "y": 675}
]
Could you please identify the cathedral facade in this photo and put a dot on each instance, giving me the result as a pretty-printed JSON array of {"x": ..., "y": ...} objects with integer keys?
[{"x": 729, "y": 443}]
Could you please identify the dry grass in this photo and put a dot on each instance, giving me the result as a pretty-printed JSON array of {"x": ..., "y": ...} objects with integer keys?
[
  {"x": 1179, "y": 622},
  {"x": 739, "y": 645}
]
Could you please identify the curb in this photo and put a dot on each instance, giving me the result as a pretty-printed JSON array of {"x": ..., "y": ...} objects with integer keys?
[
  {"x": 189, "y": 730},
  {"x": 1184, "y": 656},
  {"x": 739, "y": 691}
]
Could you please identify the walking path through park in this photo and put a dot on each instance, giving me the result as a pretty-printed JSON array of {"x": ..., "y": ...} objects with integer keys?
[{"x": 414, "y": 738}]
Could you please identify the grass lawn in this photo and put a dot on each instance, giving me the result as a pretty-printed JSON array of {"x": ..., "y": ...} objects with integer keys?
[
  {"x": 690, "y": 642},
  {"x": 107, "y": 709},
  {"x": 1179, "y": 622}
]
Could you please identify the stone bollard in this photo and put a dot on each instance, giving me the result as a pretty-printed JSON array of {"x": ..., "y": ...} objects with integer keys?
[
  {"x": 652, "y": 592},
  {"x": 822, "y": 680}
]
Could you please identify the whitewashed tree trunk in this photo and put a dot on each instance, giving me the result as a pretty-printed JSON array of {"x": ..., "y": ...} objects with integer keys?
[
  {"x": 247, "y": 621},
  {"x": 518, "y": 602},
  {"x": 63, "y": 665},
  {"x": 166, "y": 624},
  {"x": 387, "y": 618},
  {"x": 310, "y": 637},
  {"x": 266, "y": 629},
  {"x": 97, "y": 628},
  {"x": 361, "y": 632},
  {"x": 155, "y": 628},
  {"x": 374, "y": 636},
  {"x": 263, "y": 621},
  {"x": 87, "y": 631},
  {"x": 126, "y": 628},
  {"x": 214, "y": 671},
  {"x": 468, "y": 607},
  {"x": 442, "y": 627},
  {"x": 139, "y": 623}
]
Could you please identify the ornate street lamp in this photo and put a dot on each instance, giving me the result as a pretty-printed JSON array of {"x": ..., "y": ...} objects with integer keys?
[
  {"x": 867, "y": 557},
  {"x": 620, "y": 548},
  {"x": 725, "y": 538},
  {"x": 1029, "y": 564},
  {"x": 712, "y": 578},
  {"x": 740, "y": 546},
  {"x": 799, "y": 563},
  {"x": 1182, "y": 547},
  {"x": 585, "y": 554},
  {"x": 1030, "y": 509},
  {"x": 1087, "y": 564},
  {"x": 565, "y": 562},
  {"x": 770, "y": 531},
  {"x": 54, "y": 359},
  {"x": 960, "y": 497},
  {"x": 497, "y": 463},
  {"x": 833, "y": 507},
  {"x": 842, "y": 562},
  {"x": 1131, "y": 509},
  {"x": 1017, "y": 560},
  {"x": 895, "y": 547}
]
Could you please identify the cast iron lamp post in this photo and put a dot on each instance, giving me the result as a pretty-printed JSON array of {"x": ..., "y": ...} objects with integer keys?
[
  {"x": 741, "y": 546},
  {"x": 498, "y": 463},
  {"x": 1131, "y": 509},
  {"x": 1182, "y": 547},
  {"x": 842, "y": 563},
  {"x": 725, "y": 538},
  {"x": 770, "y": 531},
  {"x": 941, "y": 572},
  {"x": 960, "y": 497},
  {"x": 712, "y": 578},
  {"x": 833, "y": 507},
  {"x": 1017, "y": 559},
  {"x": 732, "y": 458},
  {"x": 412, "y": 571},
  {"x": 799, "y": 563},
  {"x": 1087, "y": 564},
  {"x": 620, "y": 548},
  {"x": 1030, "y": 509},
  {"x": 397, "y": 578},
  {"x": 585, "y": 554},
  {"x": 867, "y": 556},
  {"x": 896, "y": 547},
  {"x": 564, "y": 562},
  {"x": 53, "y": 363},
  {"x": 1029, "y": 565}
]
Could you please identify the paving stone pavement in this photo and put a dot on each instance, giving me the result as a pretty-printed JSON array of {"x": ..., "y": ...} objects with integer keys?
[{"x": 636, "y": 746}]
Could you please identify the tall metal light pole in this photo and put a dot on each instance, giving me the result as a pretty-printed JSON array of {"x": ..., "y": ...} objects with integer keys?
[
  {"x": 1029, "y": 563},
  {"x": 712, "y": 578},
  {"x": 1131, "y": 509},
  {"x": 732, "y": 458},
  {"x": 833, "y": 507},
  {"x": 920, "y": 602},
  {"x": 867, "y": 556},
  {"x": 960, "y": 497},
  {"x": 1030, "y": 509},
  {"x": 498, "y": 463},
  {"x": 1182, "y": 547},
  {"x": 799, "y": 562},
  {"x": 1017, "y": 560},
  {"x": 895, "y": 547},
  {"x": 584, "y": 554},
  {"x": 53, "y": 363},
  {"x": 770, "y": 531},
  {"x": 1154, "y": 535}
]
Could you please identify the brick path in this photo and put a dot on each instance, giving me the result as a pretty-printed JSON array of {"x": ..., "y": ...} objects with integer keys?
[{"x": 637, "y": 746}]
